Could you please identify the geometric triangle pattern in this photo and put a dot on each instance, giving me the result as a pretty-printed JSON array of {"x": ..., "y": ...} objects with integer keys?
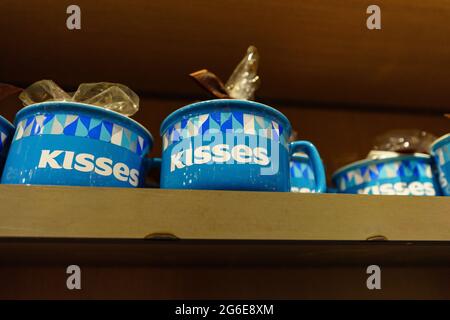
[
  {"x": 301, "y": 170},
  {"x": 81, "y": 126},
  {"x": 403, "y": 168},
  {"x": 224, "y": 122}
]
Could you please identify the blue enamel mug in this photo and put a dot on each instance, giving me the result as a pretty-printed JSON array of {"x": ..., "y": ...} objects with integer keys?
[
  {"x": 399, "y": 175},
  {"x": 303, "y": 179},
  {"x": 440, "y": 150},
  {"x": 6, "y": 133},
  {"x": 227, "y": 144},
  {"x": 66, "y": 143}
]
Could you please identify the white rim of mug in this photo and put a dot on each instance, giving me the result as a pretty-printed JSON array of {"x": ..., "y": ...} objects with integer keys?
[
  {"x": 26, "y": 109},
  {"x": 300, "y": 157},
  {"x": 359, "y": 163}
]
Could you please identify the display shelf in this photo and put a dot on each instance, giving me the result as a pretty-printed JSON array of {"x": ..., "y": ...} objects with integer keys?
[
  {"x": 166, "y": 244},
  {"x": 113, "y": 213},
  {"x": 311, "y": 51}
]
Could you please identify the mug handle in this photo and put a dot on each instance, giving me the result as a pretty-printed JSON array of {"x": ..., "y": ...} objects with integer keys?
[{"x": 317, "y": 166}]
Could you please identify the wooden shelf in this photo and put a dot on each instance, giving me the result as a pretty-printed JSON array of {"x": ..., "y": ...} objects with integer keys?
[
  {"x": 319, "y": 52},
  {"x": 226, "y": 245},
  {"x": 74, "y": 212}
]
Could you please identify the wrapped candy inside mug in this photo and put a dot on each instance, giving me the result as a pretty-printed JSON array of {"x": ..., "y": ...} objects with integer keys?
[
  {"x": 242, "y": 84},
  {"x": 113, "y": 96},
  {"x": 394, "y": 142}
]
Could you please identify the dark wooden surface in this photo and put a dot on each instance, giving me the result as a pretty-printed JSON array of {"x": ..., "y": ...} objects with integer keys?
[
  {"x": 224, "y": 253},
  {"x": 204, "y": 269},
  {"x": 313, "y": 51}
]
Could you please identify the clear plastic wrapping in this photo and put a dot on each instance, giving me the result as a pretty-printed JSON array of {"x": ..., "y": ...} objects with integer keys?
[{"x": 113, "y": 96}]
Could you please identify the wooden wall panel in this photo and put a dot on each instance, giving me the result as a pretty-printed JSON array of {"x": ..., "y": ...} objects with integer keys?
[
  {"x": 146, "y": 282},
  {"x": 319, "y": 51}
]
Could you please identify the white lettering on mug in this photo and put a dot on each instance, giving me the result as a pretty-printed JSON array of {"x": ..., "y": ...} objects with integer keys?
[
  {"x": 261, "y": 156},
  {"x": 202, "y": 155},
  {"x": 440, "y": 156},
  {"x": 175, "y": 161},
  {"x": 219, "y": 153},
  {"x": 121, "y": 171},
  {"x": 48, "y": 158},
  {"x": 85, "y": 162},
  {"x": 415, "y": 188},
  {"x": 302, "y": 190},
  {"x": 242, "y": 153},
  {"x": 68, "y": 159},
  {"x": 104, "y": 167}
]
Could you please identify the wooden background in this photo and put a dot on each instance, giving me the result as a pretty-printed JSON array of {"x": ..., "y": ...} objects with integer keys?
[{"x": 339, "y": 83}]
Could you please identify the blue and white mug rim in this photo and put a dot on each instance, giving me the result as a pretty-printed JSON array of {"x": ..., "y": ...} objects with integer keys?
[
  {"x": 70, "y": 107},
  {"x": 202, "y": 107},
  {"x": 439, "y": 142},
  {"x": 364, "y": 162}
]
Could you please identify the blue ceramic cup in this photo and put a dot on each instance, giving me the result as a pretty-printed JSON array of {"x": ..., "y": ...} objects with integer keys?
[
  {"x": 400, "y": 175},
  {"x": 66, "y": 143},
  {"x": 303, "y": 179},
  {"x": 230, "y": 145},
  {"x": 6, "y": 133},
  {"x": 440, "y": 150}
]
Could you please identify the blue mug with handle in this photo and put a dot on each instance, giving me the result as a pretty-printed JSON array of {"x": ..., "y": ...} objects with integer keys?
[
  {"x": 399, "y": 175},
  {"x": 228, "y": 144},
  {"x": 440, "y": 150},
  {"x": 75, "y": 144},
  {"x": 303, "y": 178},
  {"x": 6, "y": 133}
]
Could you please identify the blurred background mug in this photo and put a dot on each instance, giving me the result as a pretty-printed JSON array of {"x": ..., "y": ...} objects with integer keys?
[
  {"x": 440, "y": 150},
  {"x": 6, "y": 133},
  {"x": 411, "y": 174}
]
